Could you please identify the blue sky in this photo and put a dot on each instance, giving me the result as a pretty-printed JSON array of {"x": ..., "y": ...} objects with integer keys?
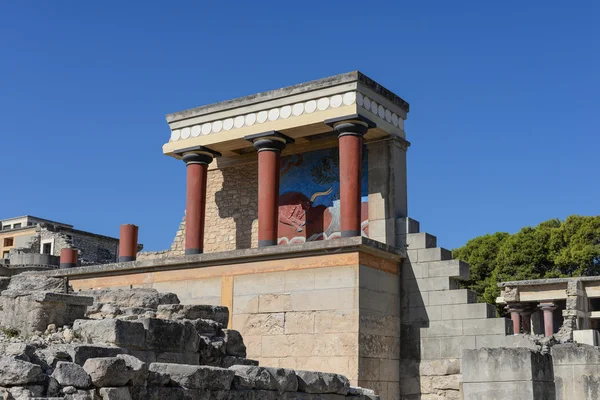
[{"x": 504, "y": 101}]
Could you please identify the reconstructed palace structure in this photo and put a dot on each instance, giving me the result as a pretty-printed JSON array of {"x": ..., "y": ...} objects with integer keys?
[{"x": 297, "y": 220}]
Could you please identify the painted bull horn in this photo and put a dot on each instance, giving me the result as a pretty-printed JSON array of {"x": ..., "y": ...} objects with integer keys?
[{"x": 317, "y": 194}]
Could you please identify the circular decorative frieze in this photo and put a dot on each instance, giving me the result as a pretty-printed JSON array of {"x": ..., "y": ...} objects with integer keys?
[{"x": 287, "y": 111}]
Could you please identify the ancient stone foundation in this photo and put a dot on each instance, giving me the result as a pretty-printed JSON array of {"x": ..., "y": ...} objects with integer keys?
[{"x": 135, "y": 344}]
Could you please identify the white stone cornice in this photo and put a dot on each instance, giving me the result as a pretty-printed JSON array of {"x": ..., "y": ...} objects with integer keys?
[{"x": 297, "y": 112}]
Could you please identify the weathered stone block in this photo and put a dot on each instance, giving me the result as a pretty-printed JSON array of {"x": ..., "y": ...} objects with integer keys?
[
  {"x": 138, "y": 297},
  {"x": 19, "y": 372},
  {"x": 108, "y": 371},
  {"x": 167, "y": 335},
  {"x": 505, "y": 365},
  {"x": 29, "y": 312},
  {"x": 219, "y": 314},
  {"x": 115, "y": 393},
  {"x": 190, "y": 376},
  {"x": 121, "y": 333},
  {"x": 71, "y": 374},
  {"x": 439, "y": 367},
  {"x": 138, "y": 367},
  {"x": 180, "y": 358},
  {"x": 321, "y": 382},
  {"x": 81, "y": 353},
  {"x": 234, "y": 343},
  {"x": 514, "y": 390}
]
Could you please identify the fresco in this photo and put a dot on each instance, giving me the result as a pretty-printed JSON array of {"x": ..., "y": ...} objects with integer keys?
[{"x": 309, "y": 206}]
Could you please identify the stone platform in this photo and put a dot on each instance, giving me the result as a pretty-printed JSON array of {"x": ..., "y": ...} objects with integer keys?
[{"x": 326, "y": 305}]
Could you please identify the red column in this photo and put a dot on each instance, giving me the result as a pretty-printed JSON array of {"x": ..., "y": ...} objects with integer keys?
[
  {"x": 268, "y": 196},
  {"x": 128, "y": 241},
  {"x": 515, "y": 316},
  {"x": 197, "y": 161},
  {"x": 269, "y": 146},
  {"x": 350, "y": 137},
  {"x": 68, "y": 258},
  {"x": 548, "y": 309}
]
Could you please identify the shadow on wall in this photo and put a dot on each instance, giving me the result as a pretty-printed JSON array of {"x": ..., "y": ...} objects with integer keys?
[
  {"x": 413, "y": 319},
  {"x": 238, "y": 199}
]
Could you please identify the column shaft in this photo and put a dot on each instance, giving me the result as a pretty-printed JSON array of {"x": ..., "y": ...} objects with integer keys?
[
  {"x": 68, "y": 258},
  {"x": 548, "y": 309},
  {"x": 128, "y": 239},
  {"x": 268, "y": 196},
  {"x": 350, "y": 184},
  {"x": 195, "y": 207},
  {"x": 516, "y": 320}
]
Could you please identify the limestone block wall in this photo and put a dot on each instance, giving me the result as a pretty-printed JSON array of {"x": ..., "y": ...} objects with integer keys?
[
  {"x": 576, "y": 371},
  {"x": 337, "y": 312}
]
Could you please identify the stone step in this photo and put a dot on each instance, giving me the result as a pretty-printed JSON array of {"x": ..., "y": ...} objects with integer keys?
[
  {"x": 429, "y": 284},
  {"x": 428, "y": 255},
  {"x": 457, "y": 296},
  {"x": 421, "y": 240},
  {"x": 468, "y": 311},
  {"x": 456, "y": 269},
  {"x": 488, "y": 326}
]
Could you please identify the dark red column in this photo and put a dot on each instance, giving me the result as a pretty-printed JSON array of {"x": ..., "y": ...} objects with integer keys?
[
  {"x": 548, "y": 309},
  {"x": 269, "y": 146},
  {"x": 68, "y": 258},
  {"x": 128, "y": 241},
  {"x": 196, "y": 162},
  {"x": 350, "y": 137},
  {"x": 515, "y": 315}
]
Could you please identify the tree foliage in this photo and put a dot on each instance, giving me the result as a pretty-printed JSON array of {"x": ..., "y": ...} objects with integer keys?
[{"x": 553, "y": 249}]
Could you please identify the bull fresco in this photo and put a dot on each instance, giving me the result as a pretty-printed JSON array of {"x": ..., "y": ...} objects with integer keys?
[{"x": 309, "y": 206}]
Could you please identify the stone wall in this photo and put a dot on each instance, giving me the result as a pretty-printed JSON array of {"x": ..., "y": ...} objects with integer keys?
[
  {"x": 576, "y": 371},
  {"x": 336, "y": 311},
  {"x": 93, "y": 249},
  {"x": 136, "y": 344},
  {"x": 501, "y": 374}
]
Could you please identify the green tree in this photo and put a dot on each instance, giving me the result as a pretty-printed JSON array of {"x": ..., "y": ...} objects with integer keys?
[{"x": 552, "y": 249}]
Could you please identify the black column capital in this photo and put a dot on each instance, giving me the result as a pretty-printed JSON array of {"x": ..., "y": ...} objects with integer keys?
[
  {"x": 355, "y": 125},
  {"x": 197, "y": 155},
  {"x": 269, "y": 141}
]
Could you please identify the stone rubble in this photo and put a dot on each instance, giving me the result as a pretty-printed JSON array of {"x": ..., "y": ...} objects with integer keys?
[{"x": 132, "y": 345}]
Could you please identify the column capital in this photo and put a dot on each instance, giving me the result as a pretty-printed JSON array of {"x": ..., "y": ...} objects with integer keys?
[
  {"x": 547, "y": 306},
  {"x": 269, "y": 141},
  {"x": 197, "y": 155},
  {"x": 355, "y": 125},
  {"x": 514, "y": 307}
]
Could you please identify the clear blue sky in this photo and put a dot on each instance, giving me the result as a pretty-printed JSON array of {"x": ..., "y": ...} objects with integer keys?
[{"x": 504, "y": 97}]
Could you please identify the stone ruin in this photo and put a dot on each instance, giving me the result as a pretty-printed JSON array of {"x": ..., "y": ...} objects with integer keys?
[{"x": 130, "y": 344}]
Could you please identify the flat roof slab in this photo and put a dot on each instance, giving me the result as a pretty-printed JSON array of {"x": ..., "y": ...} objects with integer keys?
[{"x": 297, "y": 111}]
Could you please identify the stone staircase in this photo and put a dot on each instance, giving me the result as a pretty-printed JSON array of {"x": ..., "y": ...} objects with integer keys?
[{"x": 440, "y": 320}]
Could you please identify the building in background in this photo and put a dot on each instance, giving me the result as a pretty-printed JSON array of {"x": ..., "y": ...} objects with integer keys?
[{"x": 33, "y": 241}]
